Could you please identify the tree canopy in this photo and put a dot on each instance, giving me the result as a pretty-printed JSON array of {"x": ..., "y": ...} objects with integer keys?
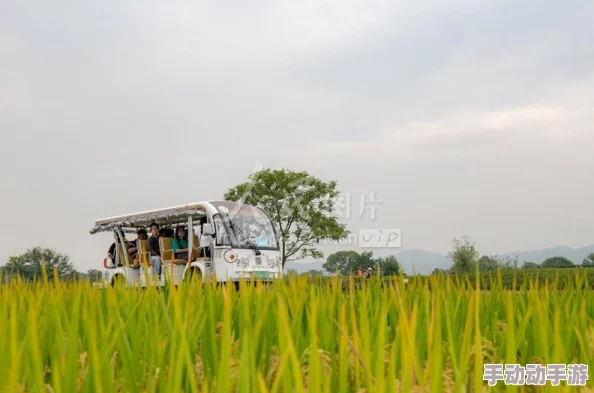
[
  {"x": 30, "y": 264},
  {"x": 389, "y": 265},
  {"x": 530, "y": 265},
  {"x": 299, "y": 204},
  {"x": 467, "y": 259},
  {"x": 488, "y": 264},
  {"x": 313, "y": 272},
  {"x": 557, "y": 262},
  {"x": 349, "y": 262},
  {"x": 464, "y": 255},
  {"x": 589, "y": 261},
  {"x": 342, "y": 262}
]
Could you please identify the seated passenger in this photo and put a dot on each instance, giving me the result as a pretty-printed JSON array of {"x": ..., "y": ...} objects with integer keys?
[
  {"x": 111, "y": 253},
  {"x": 133, "y": 247},
  {"x": 166, "y": 232},
  {"x": 179, "y": 245},
  {"x": 153, "y": 247}
]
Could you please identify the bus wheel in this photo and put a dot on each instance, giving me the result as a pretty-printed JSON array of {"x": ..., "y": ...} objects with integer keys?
[
  {"x": 194, "y": 275},
  {"x": 118, "y": 280}
]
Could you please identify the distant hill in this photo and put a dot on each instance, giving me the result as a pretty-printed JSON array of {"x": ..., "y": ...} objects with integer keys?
[
  {"x": 576, "y": 255},
  {"x": 424, "y": 262}
]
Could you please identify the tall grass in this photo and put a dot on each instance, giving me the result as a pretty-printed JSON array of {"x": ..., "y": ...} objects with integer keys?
[{"x": 297, "y": 335}]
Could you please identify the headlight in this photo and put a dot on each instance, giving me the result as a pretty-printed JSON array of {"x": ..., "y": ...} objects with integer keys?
[{"x": 230, "y": 256}]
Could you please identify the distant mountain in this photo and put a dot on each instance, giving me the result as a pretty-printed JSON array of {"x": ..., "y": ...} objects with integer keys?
[
  {"x": 576, "y": 255},
  {"x": 424, "y": 262},
  {"x": 418, "y": 261}
]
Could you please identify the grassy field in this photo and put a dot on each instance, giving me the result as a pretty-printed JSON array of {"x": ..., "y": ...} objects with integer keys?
[{"x": 294, "y": 336}]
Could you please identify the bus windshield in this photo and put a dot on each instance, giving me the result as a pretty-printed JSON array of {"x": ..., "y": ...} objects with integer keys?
[{"x": 248, "y": 223}]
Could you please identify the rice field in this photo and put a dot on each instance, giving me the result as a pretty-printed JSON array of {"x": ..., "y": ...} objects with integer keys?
[{"x": 297, "y": 335}]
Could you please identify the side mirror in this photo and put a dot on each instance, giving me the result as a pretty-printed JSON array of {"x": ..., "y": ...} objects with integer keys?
[{"x": 207, "y": 230}]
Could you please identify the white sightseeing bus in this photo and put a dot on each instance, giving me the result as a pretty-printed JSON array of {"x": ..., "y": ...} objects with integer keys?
[{"x": 243, "y": 245}]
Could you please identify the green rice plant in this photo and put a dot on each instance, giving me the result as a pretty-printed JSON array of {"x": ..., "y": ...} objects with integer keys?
[{"x": 301, "y": 334}]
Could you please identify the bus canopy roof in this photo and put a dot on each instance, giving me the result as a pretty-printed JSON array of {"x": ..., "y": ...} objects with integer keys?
[{"x": 169, "y": 216}]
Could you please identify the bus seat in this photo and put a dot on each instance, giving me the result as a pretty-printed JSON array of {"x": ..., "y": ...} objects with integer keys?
[
  {"x": 134, "y": 264},
  {"x": 195, "y": 255},
  {"x": 196, "y": 246},
  {"x": 165, "y": 244},
  {"x": 143, "y": 254},
  {"x": 121, "y": 256}
]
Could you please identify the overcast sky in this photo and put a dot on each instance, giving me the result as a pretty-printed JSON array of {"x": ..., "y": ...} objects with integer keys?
[{"x": 463, "y": 117}]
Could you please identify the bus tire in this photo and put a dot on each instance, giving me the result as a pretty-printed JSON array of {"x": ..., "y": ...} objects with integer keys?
[
  {"x": 194, "y": 274},
  {"x": 118, "y": 280}
]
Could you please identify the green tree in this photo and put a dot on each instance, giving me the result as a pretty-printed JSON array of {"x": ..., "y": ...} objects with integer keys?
[
  {"x": 464, "y": 255},
  {"x": 341, "y": 262},
  {"x": 530, "y": 265},
  {"x": 488, "y": 264},
  {"x": 31, "y": 263},
  {"x": 94, "y": 275},
  {"x": 348, "y": 262},
  {"x": 389, "y": 265},
  {"x": 313, "y": 272},
  {"x": 557, "y": 262},
  {"x": 589, "y": 261},
  {"x": 364, "y": 261},
  {"x": 292, "y": 272},
  {"x": 17, "y": 266},
  {"x": 508, "y": 263},
  {"x": 299, "y": 204}
]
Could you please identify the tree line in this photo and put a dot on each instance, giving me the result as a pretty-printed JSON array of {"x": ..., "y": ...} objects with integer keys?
[
  {"x": 344, "y": 263},
  {"x": 31, "y": 264},
  {"x": 349, "y": 262},
  {"x": 467, "y": 259}
]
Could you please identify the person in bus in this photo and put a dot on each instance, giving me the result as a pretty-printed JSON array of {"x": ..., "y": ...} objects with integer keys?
[
  {"x": 179, "y": 245},
  {"x": 153, "y": 248},
  {"x": 133, "y": 246},
  {"x": 111, "y": 253},
  {"x": 166, "y": 232}
]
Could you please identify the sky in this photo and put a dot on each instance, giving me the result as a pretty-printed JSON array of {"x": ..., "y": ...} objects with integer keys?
[{"x": 462, "y": 117}]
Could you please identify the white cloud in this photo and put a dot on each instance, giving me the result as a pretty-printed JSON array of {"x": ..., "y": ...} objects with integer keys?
[{"x": 535, "y": 124}]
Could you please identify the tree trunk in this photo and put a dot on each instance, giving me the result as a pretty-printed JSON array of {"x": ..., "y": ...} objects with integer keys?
[{"x": 284, "y": 260}]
